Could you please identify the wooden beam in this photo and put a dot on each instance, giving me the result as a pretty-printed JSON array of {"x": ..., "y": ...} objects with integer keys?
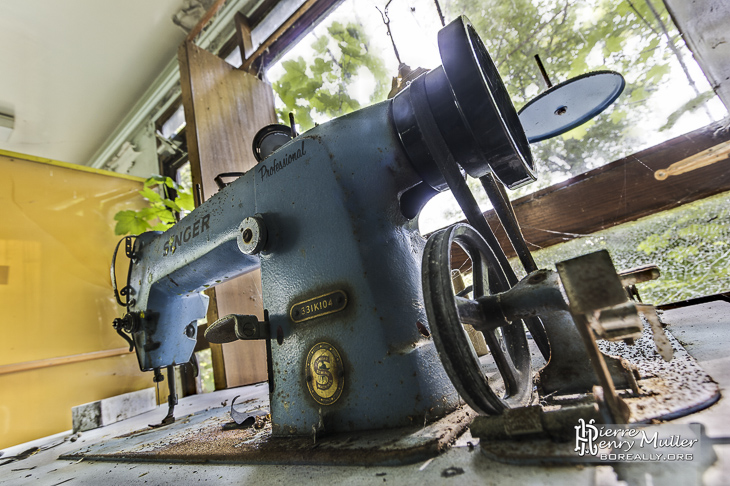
[
  {"x": 616, "y": 193},
  {"x": 299, "y": 23},
  {"x": 204, "y": 21},
  {"x": 243, "y": 35},
  {"x": 63, "y": 360}
]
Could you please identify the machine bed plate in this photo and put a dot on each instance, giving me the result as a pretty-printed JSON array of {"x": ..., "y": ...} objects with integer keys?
[{"x": 206, "y": 437}]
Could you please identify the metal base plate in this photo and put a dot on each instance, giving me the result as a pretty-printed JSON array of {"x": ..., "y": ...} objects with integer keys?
[
  {"x": 668, "y": 389},
  {"x": 206, "y": 437}
]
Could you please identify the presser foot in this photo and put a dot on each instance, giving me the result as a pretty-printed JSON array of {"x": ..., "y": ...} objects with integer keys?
[{"x": 171, "y": 398}]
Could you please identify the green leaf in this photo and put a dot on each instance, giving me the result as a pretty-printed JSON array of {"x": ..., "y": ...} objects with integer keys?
[
  {"x": 130, "y": 222},
  {"x": 683, "y": 254},
  {"x": 171, "y": 204},
  {"x": 162, "y": 213},
  {"x": 150, "y": 213},
  {"x": 167, "y": 217},
  {"x": 705, "y": 231},
  {"x": 320, "y": 45},
  {"x": 617, "y": 115},
  {"x": 162, "y": 226},
  {"x": 185, "y": 201},
  {"x": 155, "y": 180},
  {"x": 656, "y": 72},
  {"x": 150, "y": 194},
  {"x": 654, "y": 243},
  {"x": 613, "y": 44},
  {"x": 320, "y": 88},
  {"x": 579, "y": 132},
  {"x": 638, "y": 94}
]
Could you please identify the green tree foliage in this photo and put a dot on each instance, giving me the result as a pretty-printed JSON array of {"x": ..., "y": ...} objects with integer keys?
[
  {"x": 321, "y": 87},
  {"x": 162, "y": 210}
]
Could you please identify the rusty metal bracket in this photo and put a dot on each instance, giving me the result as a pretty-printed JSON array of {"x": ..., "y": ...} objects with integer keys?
[
  {"x": 535, "y": 421},
  {"x": 599, "y": 306}
]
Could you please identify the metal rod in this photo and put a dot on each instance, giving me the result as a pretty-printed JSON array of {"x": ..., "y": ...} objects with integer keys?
[
  {"x": 292, "y": 125},
  {"x": 199, "y": 194},
  {"x": 172, "y": 397},
  {"x": 441, "y": 15},
  {"x": 204, "y": 21},
  {"x": 505, "y": 212},
  {"x": 386, "y": 21},
  {"x": 542, "y": 71}
]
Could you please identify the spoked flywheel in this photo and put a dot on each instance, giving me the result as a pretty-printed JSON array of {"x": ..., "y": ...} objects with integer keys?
[{"x": 508, "y": 382}]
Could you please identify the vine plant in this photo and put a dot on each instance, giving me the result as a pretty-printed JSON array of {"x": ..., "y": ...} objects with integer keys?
[{"x": 164, "y": 209}]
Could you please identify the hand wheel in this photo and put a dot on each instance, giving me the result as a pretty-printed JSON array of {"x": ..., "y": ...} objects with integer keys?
[{"x": 508, "y": 384}]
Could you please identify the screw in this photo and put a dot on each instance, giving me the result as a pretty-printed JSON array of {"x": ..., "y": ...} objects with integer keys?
[
  {"x": 249, "y": 329},
  {"x": 247, "y": 235}
]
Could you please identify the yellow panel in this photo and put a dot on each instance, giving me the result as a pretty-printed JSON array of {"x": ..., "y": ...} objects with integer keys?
[
  {"x": 83, "y": 168},
  {"x": 56, "y": 241}
]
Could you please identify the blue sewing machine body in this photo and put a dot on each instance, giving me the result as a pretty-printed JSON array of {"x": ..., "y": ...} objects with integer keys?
[
  {"x": 331, "y": 219},
  {"x": 330, "y": 205}
]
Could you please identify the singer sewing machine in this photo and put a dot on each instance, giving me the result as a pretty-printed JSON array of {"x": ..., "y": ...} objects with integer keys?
[{"x": 363, "y": 325}]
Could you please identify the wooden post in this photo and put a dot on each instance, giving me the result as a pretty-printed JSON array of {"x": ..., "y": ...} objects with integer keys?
[
  {"x": 243, "y": 34},
  {"x": 224, "y": 108}
]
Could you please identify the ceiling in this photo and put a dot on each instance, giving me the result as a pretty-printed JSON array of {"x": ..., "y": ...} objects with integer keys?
[{"x": 72, "y": 69}]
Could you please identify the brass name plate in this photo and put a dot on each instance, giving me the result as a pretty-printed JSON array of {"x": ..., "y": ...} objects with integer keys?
[
  {"x": 325, "y": 373},
  {"x": 318, "y": 306}
]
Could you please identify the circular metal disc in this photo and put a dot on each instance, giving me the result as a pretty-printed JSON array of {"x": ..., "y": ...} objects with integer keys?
[{"x": 570, "y": 104}]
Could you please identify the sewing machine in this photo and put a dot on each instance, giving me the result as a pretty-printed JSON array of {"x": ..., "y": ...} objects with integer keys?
[{"x": 362, "y": 323}]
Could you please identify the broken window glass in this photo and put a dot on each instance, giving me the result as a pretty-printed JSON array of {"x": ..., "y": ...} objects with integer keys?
[{"x": 690, "y": 245}]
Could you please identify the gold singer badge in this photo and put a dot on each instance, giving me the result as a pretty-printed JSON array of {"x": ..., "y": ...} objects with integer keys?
[{"x": 325, "y": 374}]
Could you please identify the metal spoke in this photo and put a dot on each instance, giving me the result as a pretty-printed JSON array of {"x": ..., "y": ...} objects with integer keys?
[{"x": 504, "y": 361}]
